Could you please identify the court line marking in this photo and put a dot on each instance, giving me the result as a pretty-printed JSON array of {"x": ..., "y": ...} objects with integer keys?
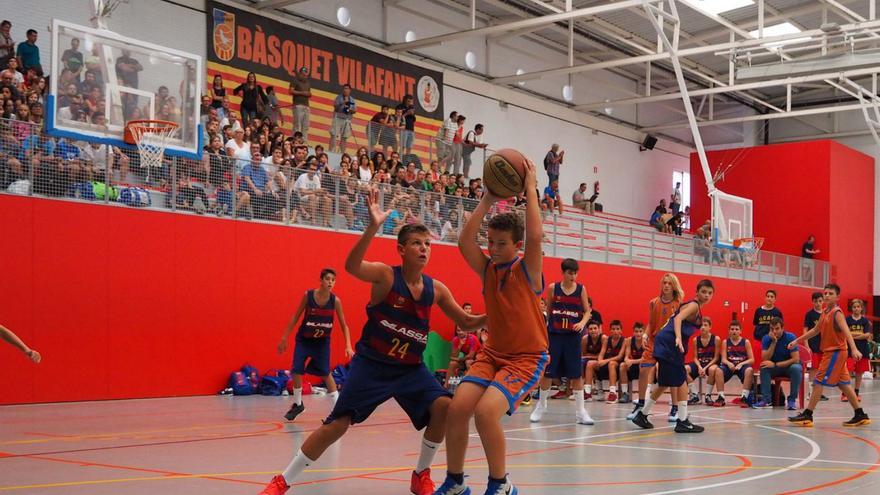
[{"x": 864, "y": 472}]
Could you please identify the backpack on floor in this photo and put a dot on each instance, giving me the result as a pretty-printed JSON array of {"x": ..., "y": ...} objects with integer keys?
[
  {"x": 240, "y": 384},
  {"x": 273, "y": 383},
  {"x": 134, "y": 196},
  {"x": 289, "y": 377},
  {"x": 253, "y": 375}
]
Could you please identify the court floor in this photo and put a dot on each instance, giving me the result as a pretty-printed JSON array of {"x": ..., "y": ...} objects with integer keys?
[{"x": 233, "y": 445}]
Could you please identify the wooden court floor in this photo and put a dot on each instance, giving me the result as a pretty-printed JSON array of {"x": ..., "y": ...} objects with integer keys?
[{"x": 233, "y": 445}]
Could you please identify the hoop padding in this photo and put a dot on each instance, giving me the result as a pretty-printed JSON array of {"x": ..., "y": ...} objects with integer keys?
[{"x": 151, "y": 138}]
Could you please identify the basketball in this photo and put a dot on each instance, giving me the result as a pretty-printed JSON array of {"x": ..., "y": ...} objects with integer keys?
[{"x": 504, "y": 173}]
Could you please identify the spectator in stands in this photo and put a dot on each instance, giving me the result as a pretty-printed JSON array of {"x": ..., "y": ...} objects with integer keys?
[
  {"x": 72, "y": 58},
  {"x": 272, "y": 113},
  {"x": 452, "y": 226},
  {"x": 313, "y": 199},
  {"x": 579, "y": 199},
  {"x": 472, "y": 140},
  {"x": 254, "y": 181},
  {"x": 407, "y": 133},
  {"x": 777, "y": 360},
  {"x": 14, "y": 76},
  {"x": 100, "y": 160},
  {"x": 808, "y": 250},
  {"x": 674, "y": 223},
  {"x": 445, "y": 135},
  {"x": 224, "y": 113},
  {"x": 237, "y": 147},
  {"x": 378, "y": 122},
  {"x": 656, "y": 220},
  {"x": 301, "y": 90},
  {"x": 344, "y": 108},
  {"x": 7, "y": 45},
  {"x": 552, "y": 199},
  {"x": 28, "y": 52},
  {"x": 457, "y": 144},
  {"x": 702, "y": 247},
  {"x": 253, "y": 98},
  {"x": 365, "y": 169},
  {"x": 552, "y": 162},
  {"x": 663, "y": 207},
  {"x": 74, "y": 109},
  {"x": 675, "y": 199},
  {"x": 217, "y": 92},
  {"x": 127, "y": 69}
]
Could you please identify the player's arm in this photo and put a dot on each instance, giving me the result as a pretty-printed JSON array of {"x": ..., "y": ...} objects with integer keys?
[
  {"x": 472, "y": 354},
  {"x": 806, "y": 336},
  {"x": 716, "y": 359},
  {"x": 620, "y": 355},
  {"x": 627, "y": 353},
  {"x": 447, "y": 304},
  {"x": 686, "y": 312},
  {"x": 794, "y": 357},
  {"x": 588, "y": 310},
  {"x": 349, "y": 352},
  {"x": 368, "y": 271},
  {"x": 767, "y": 353},
  {"x": 724, "y": 360},
  {"x": 282, "y": 345},
  {"x": 548, "y": 301},
  {"x": 648, "y": 328},
  {"x": 750, "y": 355},
  {"x": 840, "y": 321},
  {"x": 10, "y": 337},
  {"x": 534, "y": 256},
  {"x": 467, "y": 241},
  {"x": 584, "y": 346},
  {"x": 602, "y": 350}
]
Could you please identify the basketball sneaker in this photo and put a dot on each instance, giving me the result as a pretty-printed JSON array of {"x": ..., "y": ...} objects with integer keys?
[
  {"x": 860, "y": 419},
  {"x": 504, "y": 488},
  {"x": 588, "y": 397},
  {"x": 708, "y": 400},
  {"x": 760, "y": 405},
  {"x": 693, "y": 399},
  {"x": 537, "y": 413},
  {"x": 624, "y": 398},
  {"x": 687, "y": 427},
  {"x": 295, "y": 410},
  {"x": 632, "y": 414},
  {"x": 719, "y": 402},
  {"x": 738, "y": 401},
  {"x": 527, "y": 400},
  {"x": 790, "y": 405},
  {"x": 276, "y": 487},
  {"x": 561, "y": 394},
  {"x": 582, "y": 417},
  {"x": 641, "y": 420},
  {"x": 611, "y": 398},
  {"x": 843, "y": 398},
  {"x": 673, "y": 414},
  {"x": 452, "y": 487},
  {"x": 421, "y": 483},
  {"x": 803, "y": 419}
]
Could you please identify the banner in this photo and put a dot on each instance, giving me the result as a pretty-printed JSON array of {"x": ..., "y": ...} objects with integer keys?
[{"x": 240, "y": 42}]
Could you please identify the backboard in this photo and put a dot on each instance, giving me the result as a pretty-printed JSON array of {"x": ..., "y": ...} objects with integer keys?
[
  {"x": 731, "y": 218},
  {"x": 119, "y": 78}
]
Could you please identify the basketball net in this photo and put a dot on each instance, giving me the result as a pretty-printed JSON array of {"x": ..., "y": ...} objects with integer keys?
[{"x": 101, "y": 10}]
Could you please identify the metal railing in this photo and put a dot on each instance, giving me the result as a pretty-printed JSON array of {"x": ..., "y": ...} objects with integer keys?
[{"x": 32, "y": 163}]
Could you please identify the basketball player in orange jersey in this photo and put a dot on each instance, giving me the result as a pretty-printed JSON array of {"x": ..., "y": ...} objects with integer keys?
[
  {"x": 661, "y": 308},
  {"x": 832, "y": 370},
  {"x": 317, "y": 308},
  {"x": 388, "y": 364},
  {"x": 8, "y": 336},
  {"x": 515, "y": 356}
]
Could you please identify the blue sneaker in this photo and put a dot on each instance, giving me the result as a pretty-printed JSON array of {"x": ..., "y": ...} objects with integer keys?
[
  {"x": 760, "y": 405},
  {"x": 450, "y": 487},
  {"x": 505, "y": 488},
  {"x": 790, "y": 405}
]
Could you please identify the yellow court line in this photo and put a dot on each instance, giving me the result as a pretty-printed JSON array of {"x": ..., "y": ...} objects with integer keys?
[{"x": 401, "y": 468}]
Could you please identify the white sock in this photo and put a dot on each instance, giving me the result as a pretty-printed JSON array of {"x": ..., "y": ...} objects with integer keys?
[
  {"x": 334, "y": 396},
  {"x": 691, "y": 387},
  {"x": 683, "y": 410},
  {"x": 647, "y": 391},
  {"x": 612, "y": 389},
  {"x": 745, "y": 393},
  {"x": 297, "y": 396},
  {"x": 649, "y": 405},
  {"x": 578, "y": 402},
  {"x": 426, "y": 456},
  {"x": 624, "y": 387},
  {"x": 296, "y": 466},
  {"x": 588, "y": 389},
  {"x": 542, "y": 397}
]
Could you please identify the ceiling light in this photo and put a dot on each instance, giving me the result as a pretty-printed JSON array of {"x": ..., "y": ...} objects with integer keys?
[
  {"x": 470, "y": 59},
  {"x": 520, "y": 72},
  {"x": 343, "y": 16},
  {"x": 410, "y": 36},
  {"x": 567, "y": 93},
  {"x": 719, "y": 6},
  {"x": 780, "y": 30}
]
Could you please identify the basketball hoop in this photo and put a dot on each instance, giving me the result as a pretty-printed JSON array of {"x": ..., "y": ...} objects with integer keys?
[
  {"x": 750, "y": 246},
  {"x": 151, "y": 138}
]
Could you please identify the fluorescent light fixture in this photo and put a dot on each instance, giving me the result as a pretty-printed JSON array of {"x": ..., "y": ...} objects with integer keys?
[
  {"x": 719, "y": 6},
  {"x": 779, "y": 30}
]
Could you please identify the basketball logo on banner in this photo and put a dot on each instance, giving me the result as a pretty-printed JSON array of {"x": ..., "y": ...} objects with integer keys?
[
  {"x": 224, "y": 35},
  {"x": 428, "y": 93}
]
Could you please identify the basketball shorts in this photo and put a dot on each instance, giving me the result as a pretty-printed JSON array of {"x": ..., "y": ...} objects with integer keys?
[
  {"x": 633, "y": 372},
  {"x": 648, "y": 360},
  {"x": 730, "y": 373},
  {"x": 514, "y": 375},
  {"x": 832, "y": 369},
  {"x": 565, "y": 356},
  {"x": 370, "y": 384},
  {"x": 603, "y": 373},
  {"x": 860, "y": 366},
  {"x": 692, "y": 370},
  {"x": 311, "y": 356},
  {"x": 671, "y": 373}
]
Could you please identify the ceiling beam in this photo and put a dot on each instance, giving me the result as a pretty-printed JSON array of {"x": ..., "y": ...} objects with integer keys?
[
  {"x": 758, "y": 118},
  {"x": 276, "y": 4},
  {"x": 516, "y": 25}
]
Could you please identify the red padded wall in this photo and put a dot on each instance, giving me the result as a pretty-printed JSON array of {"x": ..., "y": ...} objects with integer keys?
[{"x": 125, "y": 303}]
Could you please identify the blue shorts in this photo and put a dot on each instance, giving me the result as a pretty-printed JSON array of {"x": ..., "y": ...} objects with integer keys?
[
  {"x": 671, "y": 373},
  {"x": 311, "y": 356},
  {"x": 370, "y": 384},
  {"x": 693, "y": 371},
  {"x": 407, "y": 137},
  {"x": 565, "y": 356},
  {"x": 729, "y": 373}
]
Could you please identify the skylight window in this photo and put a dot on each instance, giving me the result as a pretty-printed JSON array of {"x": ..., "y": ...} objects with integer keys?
[
  {"x": 719, "y": 6},
  {"x": 779, "y": 30}
]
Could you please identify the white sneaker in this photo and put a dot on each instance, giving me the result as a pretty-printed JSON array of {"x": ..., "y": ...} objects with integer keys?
[
  {"x": 537, "y": 413},
  {"x": 583, "y": 417},
  {"x": 505, "y": 488}
]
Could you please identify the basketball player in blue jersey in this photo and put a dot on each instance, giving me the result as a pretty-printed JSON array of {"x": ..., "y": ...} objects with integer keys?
[
  {"x": 707, "y": 355},
  {"x": 317, "y": 308},
  {"x": 388, "y": 363},
  {"x": 860, "y": 327},
  {"x": 568, "y": 314},
  {"x": 633, "y": 349},
  {"x": 737, "y": 358}
]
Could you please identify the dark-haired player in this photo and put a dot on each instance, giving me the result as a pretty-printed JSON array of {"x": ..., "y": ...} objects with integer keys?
[
  {"x": 764, "y": 314},
  {"x": 810, "y": 319},
  {"x": 707, "y": 354},
  {"x": 388, "y": 363},
  {"x": 634, "y": 348},
  {"x": 312, "y": 351},
  {"x": 737, "y": 358},
  {"x": 860, "y": 328},
  {"x": 605, "y": 367}
]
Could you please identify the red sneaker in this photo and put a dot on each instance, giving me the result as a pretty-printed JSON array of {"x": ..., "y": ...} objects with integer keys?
[
  {"x": 559, "y": 395},
  {"x": 843, "y": 398},
  {"x": 421, "y": 483},
  {"x": 611, "y": 398},
  {"x": 276, "y": 487},
  {"x": 738, "y": 401},
  {"x": 588, "y": 397}
]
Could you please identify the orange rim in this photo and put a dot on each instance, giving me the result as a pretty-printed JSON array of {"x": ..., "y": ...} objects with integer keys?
[{"x": 146, "y": 125}]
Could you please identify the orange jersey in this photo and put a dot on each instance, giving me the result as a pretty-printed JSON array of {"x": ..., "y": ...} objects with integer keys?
[
  {"x": 661, "y": 312},
  {"x": 832, "y": 338},
  {"x": 516, "y": 325}
]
